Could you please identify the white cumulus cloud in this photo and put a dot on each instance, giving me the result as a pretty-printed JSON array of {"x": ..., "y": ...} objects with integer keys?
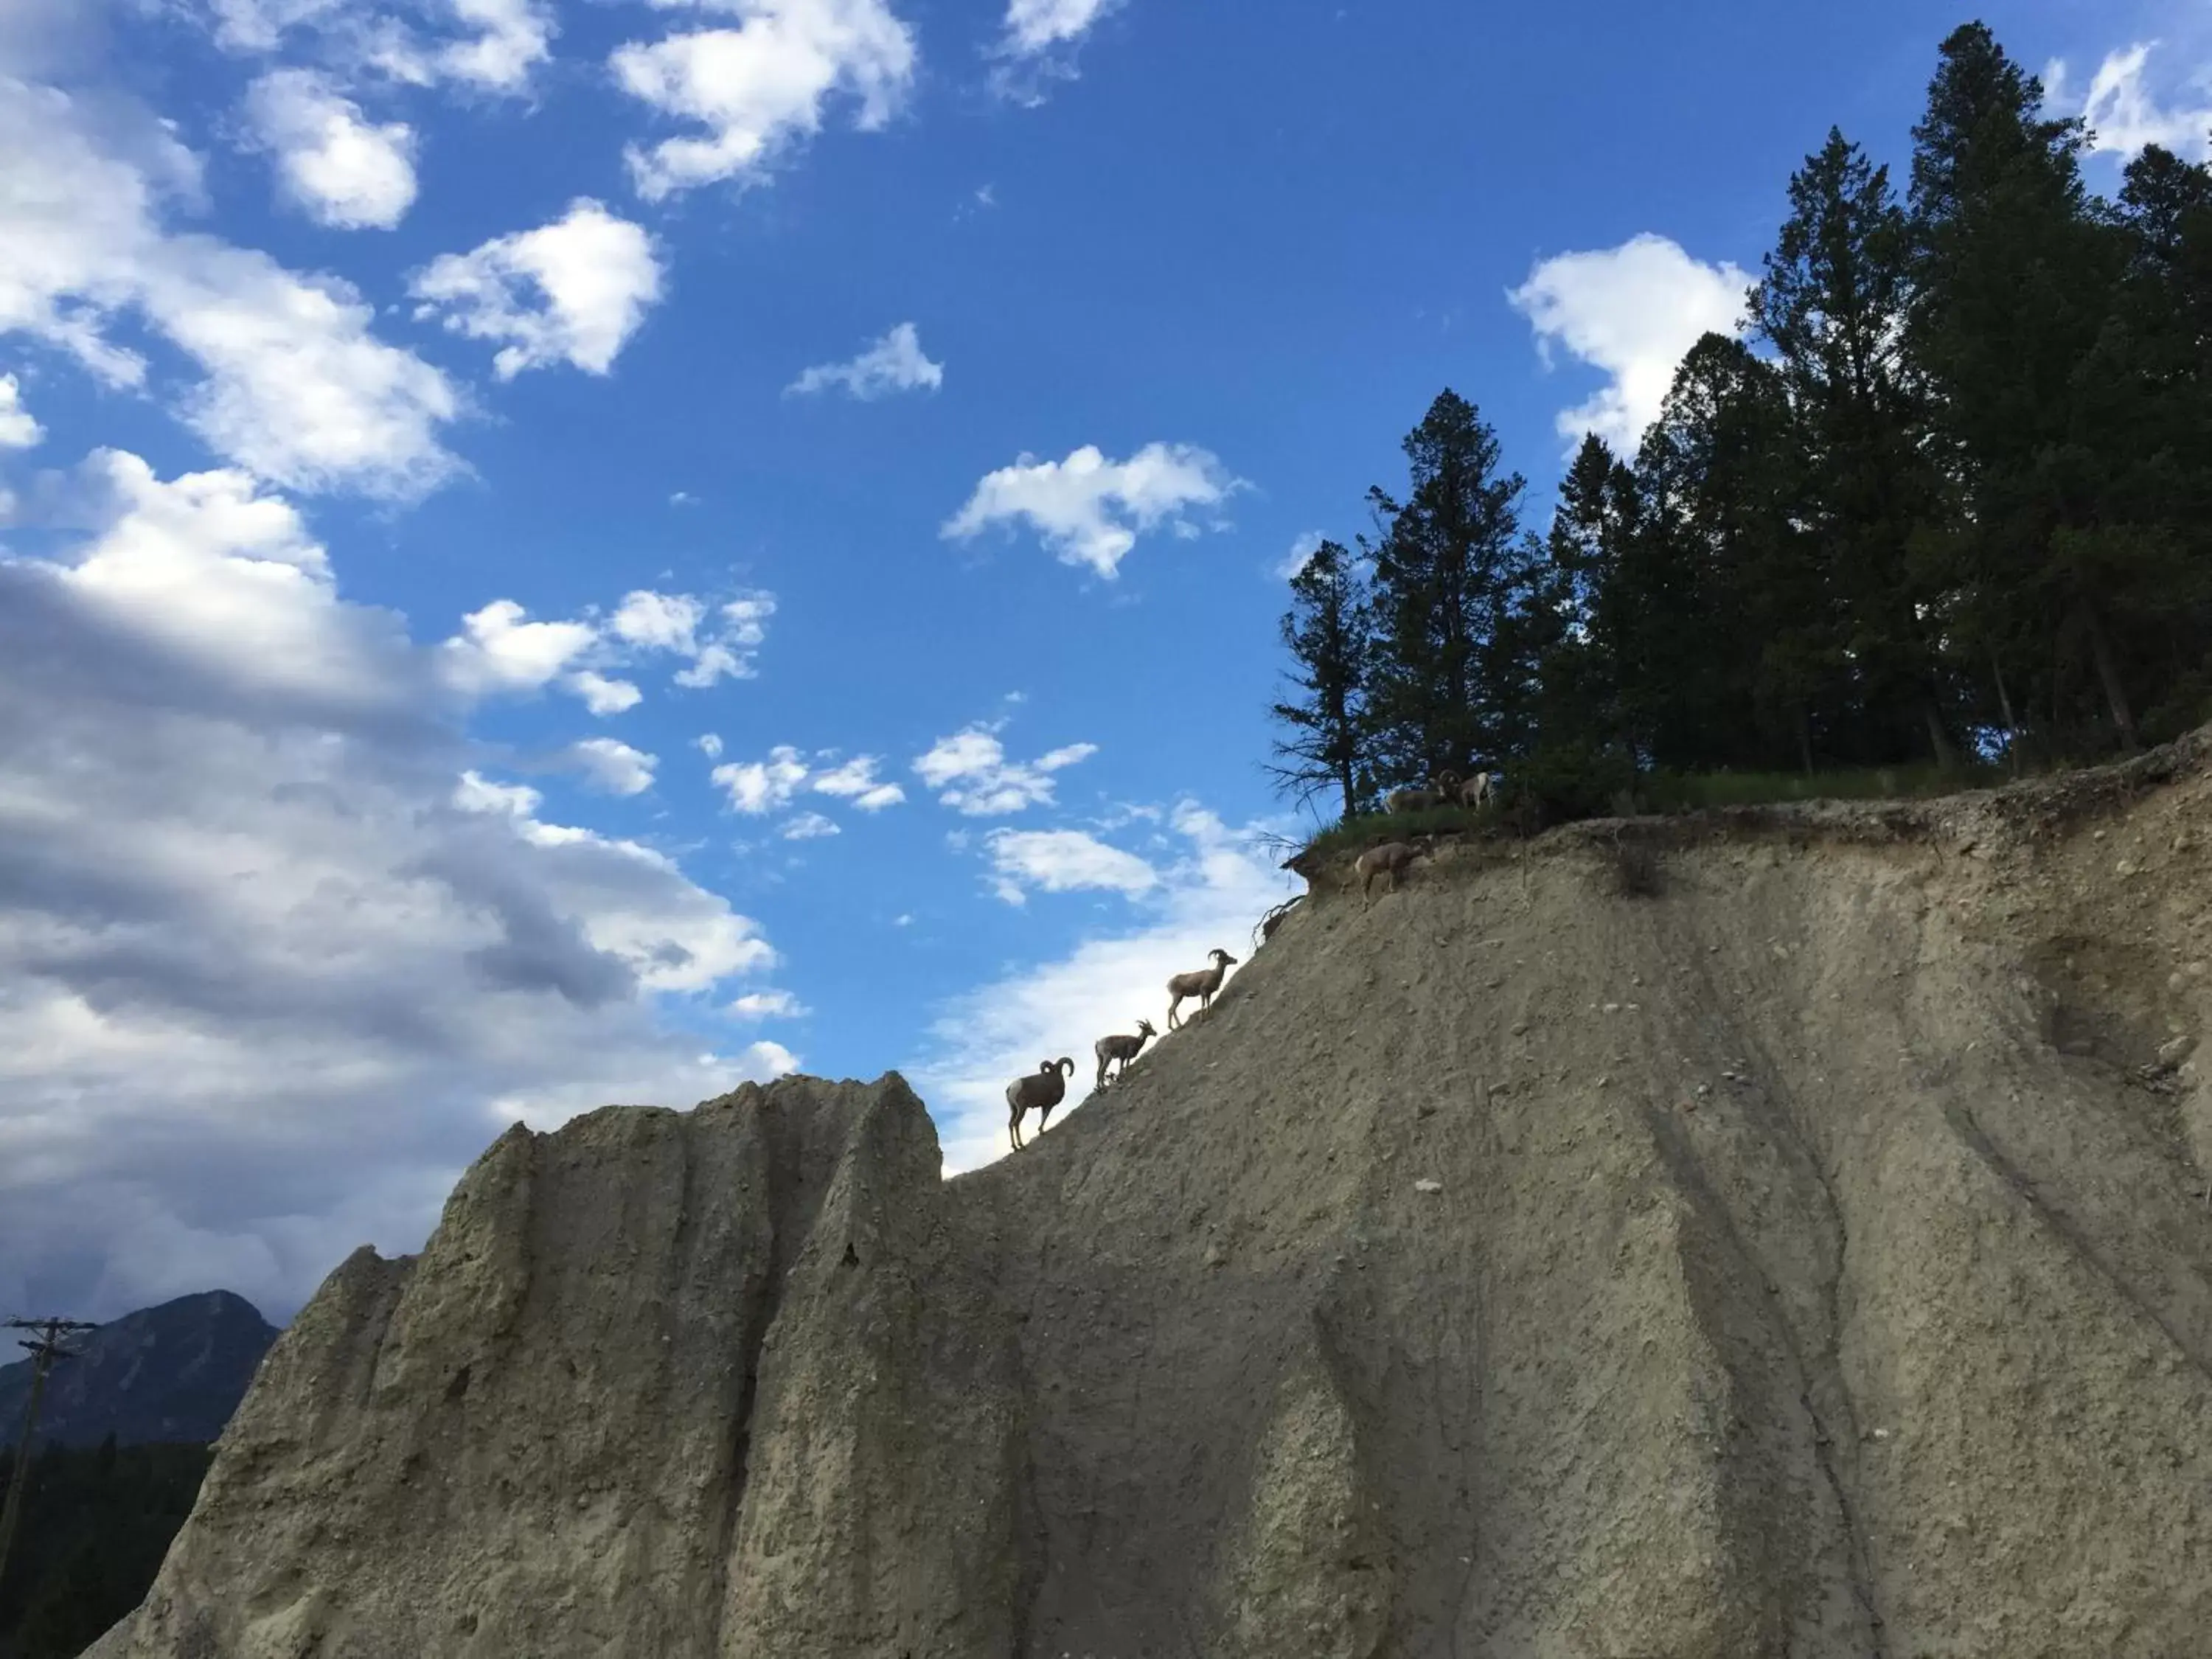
[
  {"x": 765, "y": 785},
  {"x": 810, "y": 826},
  {"x": 1063, "y": 861},
  {"x": 1037, "y": 41},
  {"x": 1034, "y": 25},
  {"x": 658, "y": 622},
  {"x": 19, "y": 429},
  {"x": 767, "y": 1005},
  {"x": 1089, "y": 510},
  {"x": 2124, "y": 112},
  {"x": 499, "y": 650},
  {"x": 855, "y": 780},
  {"x": 1632, "y": 312},
  {"x": 761, "y": 87},
  {"x": 279, "y": 964},
  {"x": 292, "y": 384},
  {"x": 338, "y": 167},
  {"x": 571, "y": 291},
  {"x": 612, "y": 765},
  {"x": 894, "y": 363},
  {"x": 602, "y": 695},
  {"x": 488, "y": 46},
  {"x": 971, "y": 774}
]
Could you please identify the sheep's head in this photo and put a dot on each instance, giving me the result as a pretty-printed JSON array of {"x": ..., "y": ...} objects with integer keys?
[
  {"x": 1145, "y": 1028},
  {"x": 1222, "y": 957},
  {"x": 1063, "y": 1065}
]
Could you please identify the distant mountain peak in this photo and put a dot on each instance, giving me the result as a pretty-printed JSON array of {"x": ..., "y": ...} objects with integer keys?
[{"x": 172, "y": 1372}]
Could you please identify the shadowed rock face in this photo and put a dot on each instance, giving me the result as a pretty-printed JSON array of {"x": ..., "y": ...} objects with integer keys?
[{"x": 1812, "y": 1259}]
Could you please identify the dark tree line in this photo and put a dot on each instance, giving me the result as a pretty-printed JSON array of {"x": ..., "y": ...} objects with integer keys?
[
  {"x": 1950, "y": 495},
  {"x": 98, "y": 1522}
]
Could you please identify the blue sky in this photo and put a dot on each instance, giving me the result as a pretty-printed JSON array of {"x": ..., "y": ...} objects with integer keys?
[{"x": 560, "y": 551}]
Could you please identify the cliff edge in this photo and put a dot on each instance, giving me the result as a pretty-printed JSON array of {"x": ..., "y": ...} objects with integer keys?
[{"x": 1810, "y": 1254}]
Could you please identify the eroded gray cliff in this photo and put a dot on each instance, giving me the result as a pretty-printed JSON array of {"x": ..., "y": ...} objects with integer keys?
[{"x": 1812, "y": 1260}]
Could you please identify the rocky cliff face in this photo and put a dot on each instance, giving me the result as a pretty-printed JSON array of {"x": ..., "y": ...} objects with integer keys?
[
  {"x": 172, "y": 1372},
  {"x": 1813, "y": 1258}
]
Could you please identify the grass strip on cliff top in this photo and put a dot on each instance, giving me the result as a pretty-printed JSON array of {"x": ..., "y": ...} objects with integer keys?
[{"x": 1663, "y": 793}]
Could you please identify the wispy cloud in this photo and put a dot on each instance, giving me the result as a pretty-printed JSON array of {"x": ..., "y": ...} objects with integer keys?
[
  {"x": 2124, "y": 112},
  {"x": 893, "y": 364},
  {"x": 1062, "y": 861},
  {"x": 1037, "y": 43},
  {"x": 970, "y": 772}
]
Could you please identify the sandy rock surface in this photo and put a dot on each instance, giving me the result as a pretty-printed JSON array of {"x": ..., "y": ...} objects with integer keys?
[{"x": 1812, "y": 1259}]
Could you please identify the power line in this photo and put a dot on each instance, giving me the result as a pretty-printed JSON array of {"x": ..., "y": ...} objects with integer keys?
[{"x": 47, "y": 1349}]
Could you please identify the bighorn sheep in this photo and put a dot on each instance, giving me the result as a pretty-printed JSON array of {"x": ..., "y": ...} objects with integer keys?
[
  {"x": 1475, "y": 793},
  {"x": 1122, "y": 1048},
  {"x": 1388, "y": 858},
  {"x": 1040, "y": 1092},
  {"x": 1199, "y": 982},
  {"x": 1443, "y": 786}
]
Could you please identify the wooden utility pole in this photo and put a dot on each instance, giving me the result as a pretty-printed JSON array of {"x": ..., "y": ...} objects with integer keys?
[{"x": 45, "y": 1347}]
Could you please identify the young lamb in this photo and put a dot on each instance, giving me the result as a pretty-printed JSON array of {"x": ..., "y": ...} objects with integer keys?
[
  {"x": 1040, "y": 1092},
  {"x": 1110, "y": 1049},
  {"x": 1388, "y": 858},
  {"x": 1199, "y": 982}
]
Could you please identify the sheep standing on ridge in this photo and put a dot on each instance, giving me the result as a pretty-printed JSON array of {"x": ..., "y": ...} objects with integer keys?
[
  {"x": 1199, "y": 982},
  {"x": 1040, "y": 1092},
  {"x": 1475, "y": 793},
  {"x": 1123, "y": 1049},
  {"x": 1388, "y": 858},
  {"x": 1443, "y": 786}
]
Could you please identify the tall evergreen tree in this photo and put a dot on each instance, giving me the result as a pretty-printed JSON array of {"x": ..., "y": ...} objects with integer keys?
[
  {"x": 1571, "y": 619},
  {"x": 1326, "y": 631},
  {"x": 2014, "y": 277},
  {"x": 1832, "y": 304},
  {"x": 1708, "y": 587},
  {"x": 1449, "y": 566}
]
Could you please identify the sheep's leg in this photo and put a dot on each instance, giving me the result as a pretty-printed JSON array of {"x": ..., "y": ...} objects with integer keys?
[{"x": 1014, "y": 1128}]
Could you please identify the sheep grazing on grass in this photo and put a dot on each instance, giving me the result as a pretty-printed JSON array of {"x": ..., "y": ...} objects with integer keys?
[
  {"x": 1199, "y": 982},
  {"x": 1039, "y": 1092},
  {"x": 1441, "y": 787},
  {"x": 1389, "y": 859},
  {"x": 1121, "y": 1051}
]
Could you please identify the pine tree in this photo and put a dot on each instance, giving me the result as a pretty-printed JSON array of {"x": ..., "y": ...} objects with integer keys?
[
  {"x": 1706, "y": 586},
  {"x": 2014, "y": 278},
  {"x": 1446, "y": 691},
  {"x": 1326, "y": 630},
  {"x": 1571, "y": 621},
  {"x": 1832, "y": 304}
]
